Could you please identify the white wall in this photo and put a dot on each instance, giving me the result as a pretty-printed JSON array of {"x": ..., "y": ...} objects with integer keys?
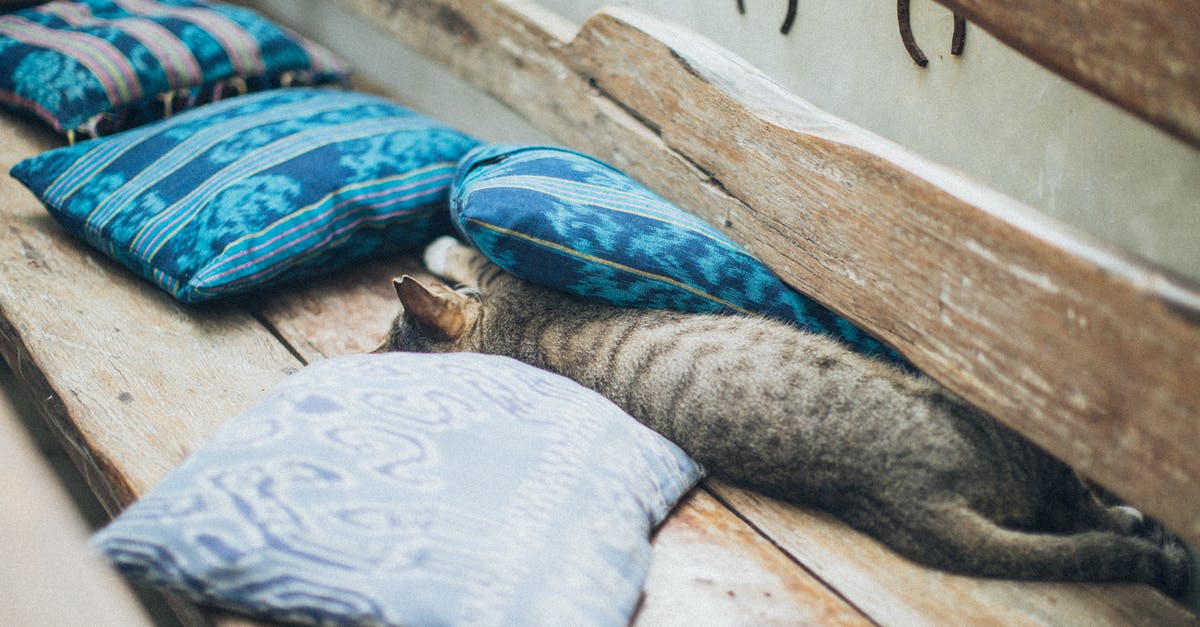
[
  {"x": 991, "y": 113},
  {"x": 418, "y": 83}
]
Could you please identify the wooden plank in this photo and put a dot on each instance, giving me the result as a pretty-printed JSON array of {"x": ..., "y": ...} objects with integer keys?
[
  {"x": 1024, "y": 317},
  {"x": 894, "y": 591},
  {"x": 710, "y": 568},
  {"x": 346, "y": 313},
  {"x": 135, "y": 408},
  {"x": 1089, "y": 353},
  {"x": 159, "y": 402},
  {"x": 1143, "y": 55},
  {"x": 130, "y": 379},
  {"x": 707, "y": 563}
]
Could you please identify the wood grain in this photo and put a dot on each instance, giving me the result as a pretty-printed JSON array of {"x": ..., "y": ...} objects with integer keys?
[
  {"x": 1026, "y": 318},
  {"x": 710, "y": 568},
  {"x": 708, "y": 565},
  {"x": 346, "y": 313},
  {"x": 129, "y": 378},
  {"x": 1091, "y": 354},
  {"x": 894, "y": 590},
  {"x": 1143, "y": 55}
]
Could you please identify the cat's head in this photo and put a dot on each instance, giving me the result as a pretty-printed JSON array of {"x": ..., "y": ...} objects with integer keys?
[{"x": 433, "y": 319}]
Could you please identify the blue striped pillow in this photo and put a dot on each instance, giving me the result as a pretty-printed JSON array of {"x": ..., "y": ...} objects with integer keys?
[
  {"x": 565, "y": 220},
  {"x": 257, "y": 189},
  {"x": 110, "y": 64}
]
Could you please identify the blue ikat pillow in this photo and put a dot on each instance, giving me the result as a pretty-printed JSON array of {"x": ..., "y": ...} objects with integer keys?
[
  {"x": 412, "y": 489},
  {"x": 101, "y": 65},
  {"x": 255, "y": 190},
  {"x": 566, "y": 220}
]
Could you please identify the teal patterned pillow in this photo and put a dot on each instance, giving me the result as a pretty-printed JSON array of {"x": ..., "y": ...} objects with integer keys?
[
  {"x": 411, "y": 489},
  {"x": 253, "y": 190},
  {"x": 566, "y": 220},
  {"x": 101, "y": 65}
]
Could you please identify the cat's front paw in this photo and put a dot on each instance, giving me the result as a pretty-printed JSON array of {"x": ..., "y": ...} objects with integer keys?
[
  {"x": 1178, "y": 571},
  {"x": 1128, "y": 520},
  {"x": 438, "y": 252}
]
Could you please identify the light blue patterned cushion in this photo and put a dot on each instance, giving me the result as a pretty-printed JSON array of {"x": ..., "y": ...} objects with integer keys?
[
  {"x": 412, "y": 489},
  {"x": 566, "y": 220},
  {"x": 110, "y": 64},
  {"x": 253, "y": 190}
]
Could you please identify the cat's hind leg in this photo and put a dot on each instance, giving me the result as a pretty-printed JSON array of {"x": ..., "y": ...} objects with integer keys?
[
  {"x": 1078, "y": 508},
  {"x": 956, "y": 538}
]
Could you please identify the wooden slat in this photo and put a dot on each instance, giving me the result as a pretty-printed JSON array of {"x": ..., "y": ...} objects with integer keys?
[
  {"x": 707, "y": 563},
  {"x": 133, "y": 381},
  {"x": 1143, "y": 55},
  {"x": 710, "y": 568},
  {"x": 129, "y": 378},
  {"x": 1089, "y": 353},
  {"x": 895, "y": 591},
  {"x": 346, "y": 313},
  {"x": 530, "y": 60}
]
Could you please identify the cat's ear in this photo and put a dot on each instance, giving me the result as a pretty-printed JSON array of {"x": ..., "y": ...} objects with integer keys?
[{"x": 432, "y": 311}]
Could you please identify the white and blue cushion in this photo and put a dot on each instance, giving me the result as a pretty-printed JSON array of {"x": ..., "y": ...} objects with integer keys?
[
  {"x": 412, "y": 489},
  {"x": 255, "y": 190}
]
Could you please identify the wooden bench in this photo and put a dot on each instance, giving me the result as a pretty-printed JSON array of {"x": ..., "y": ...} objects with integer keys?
[{"x": 1091, "y": 354}]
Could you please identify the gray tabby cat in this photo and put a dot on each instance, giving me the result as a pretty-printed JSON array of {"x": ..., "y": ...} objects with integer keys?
[{"x": 798, "y": 416}]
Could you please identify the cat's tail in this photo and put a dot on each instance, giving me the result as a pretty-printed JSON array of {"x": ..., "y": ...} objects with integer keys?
[{"x": 958, "y": 539}]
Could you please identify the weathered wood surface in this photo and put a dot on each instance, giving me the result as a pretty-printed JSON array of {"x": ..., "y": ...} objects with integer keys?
[
  {"x": 129, "y": 378},
  {"x": 1143, "y": 55},
  {"x": 132, "y": 381},
  {"x": 707, "y": 563},
  {"x": 712, "y": 567},
  {"x": 710, "y": 564},
  {"x": 883, "y": 584},
  {"x": 1091, "y": 354},
  {"x": 345, "y": 313}
]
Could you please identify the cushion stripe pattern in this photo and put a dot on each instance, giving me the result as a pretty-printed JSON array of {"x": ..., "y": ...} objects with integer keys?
[
  {"x": 347, "y": 210},
  {"x": 181, "y": 66},
  {"x": 566, "y": 220},
  {"x": 92, "y": 65},
  {"x": 103, "y": 61},
  {"x": 267, "y": 187}
]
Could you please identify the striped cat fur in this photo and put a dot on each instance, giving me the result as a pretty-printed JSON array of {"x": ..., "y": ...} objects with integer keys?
[{"x": 797, "y": 416}]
